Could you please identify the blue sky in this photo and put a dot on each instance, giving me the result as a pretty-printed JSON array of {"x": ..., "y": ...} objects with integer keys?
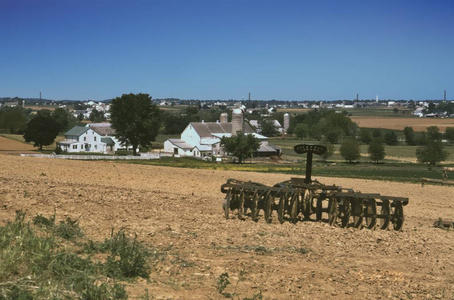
[{"x": 219, "y": 49}]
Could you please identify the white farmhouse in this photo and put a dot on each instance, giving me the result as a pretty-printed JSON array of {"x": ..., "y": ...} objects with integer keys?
[
  {"x": 203, "y": 139},
  {"x": 83, "y": 139},
  {"x": 108, "y": 133}
]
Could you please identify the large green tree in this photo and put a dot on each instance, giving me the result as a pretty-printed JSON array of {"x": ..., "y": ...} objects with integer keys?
[
  {"x": 349, "y": 149},
  {"x": 240, "y": 145},
  {"x": 301, "y": 130},
  {"x": 268, "y": 128},
  {"x": 13, "y": 119},
  {"x": 376, "y": 150},
  {"x": 449, "y": 134},
  {"x": 135, "y": 119},
  {"x": 391, "y": 138},
  {"x": 409, "y": 134},
  {"x": 64, "y": 118},
  {"x": 433, "y": 151},
  {"x": 96, "y": 116},
  {"x": 42, "y": 130}
]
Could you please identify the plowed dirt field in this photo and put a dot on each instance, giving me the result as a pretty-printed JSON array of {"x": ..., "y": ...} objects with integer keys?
[
  {"x": 178, "y": 211},
  {"x": 418, "y": 124}
]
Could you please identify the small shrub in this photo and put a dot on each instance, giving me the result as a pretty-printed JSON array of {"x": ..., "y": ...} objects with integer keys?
[
  {"x": 222, "y": 283},
  {"x": 42, "y": 221},
  {"x": 68, "y": 229},
  {"x": 133, "y": 257},
  {"x": 58, "y": 150}
]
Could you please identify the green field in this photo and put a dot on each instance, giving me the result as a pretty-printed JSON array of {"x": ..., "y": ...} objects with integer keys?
[{"x": 399, "y": 164}]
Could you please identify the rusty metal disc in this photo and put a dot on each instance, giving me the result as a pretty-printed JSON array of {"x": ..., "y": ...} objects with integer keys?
[
  {"x": 294, "y": 208},
  {"x": 333, "y": 210},
  {"x": 269, "y": 201},
  {"x": 357, "y": 212},
  {"x": 398, "y": 216},
  {"x": 282, "y": 206},
  {"x": 241, "y": 205},
  {"x": 226, "y": 204},
  {"x": 371, "y": 213},
  {"x": 345, "y": 211},
  {"x": 255, "y": 206},
  {"x": 319, "y": 209},
  {"x": 385, "y": 215}
]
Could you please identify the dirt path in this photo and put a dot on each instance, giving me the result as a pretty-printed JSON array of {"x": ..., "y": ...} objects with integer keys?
[{"x": 179, "y": 212}]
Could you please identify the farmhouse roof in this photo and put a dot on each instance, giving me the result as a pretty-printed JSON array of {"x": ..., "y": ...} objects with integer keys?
[
  {"x": 102, "y": 128},
  {"x": 108, "y": 141},
  {"x": 207, "y": 129},
  {"x": 256, "y": 135},
  {"x": 77, "y": 130},
  {"x": 203, "y": 148},
  {"x": 181, "y": 144}
]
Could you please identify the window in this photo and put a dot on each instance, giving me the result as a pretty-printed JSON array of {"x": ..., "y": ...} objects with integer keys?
[
  {"x": 175, "y": 150},
  {"x": 74, "y": 146},
  {"x": 85, "y": 138},
  {"x": 95, "y": 139},
  {"x": 96, "y": 146}
]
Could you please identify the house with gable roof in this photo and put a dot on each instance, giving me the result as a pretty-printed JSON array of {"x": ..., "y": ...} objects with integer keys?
[
  {"x": 108, "y": 133},
  {"x": 83, "y": 139},
  {"x": 95, "y": 137}
]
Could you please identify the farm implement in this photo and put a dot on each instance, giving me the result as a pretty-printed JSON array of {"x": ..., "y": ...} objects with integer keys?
[{"x": 302, "y": 198}]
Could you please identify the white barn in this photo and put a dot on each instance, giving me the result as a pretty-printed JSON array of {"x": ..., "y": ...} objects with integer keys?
[{"x": 203, "y": 139}]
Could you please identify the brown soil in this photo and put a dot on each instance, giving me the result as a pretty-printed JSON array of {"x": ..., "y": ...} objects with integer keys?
[
  {"x": 8, "y": 146},
  {"x": 418, "y": 124},
  {"x": 179, "y": 212}
]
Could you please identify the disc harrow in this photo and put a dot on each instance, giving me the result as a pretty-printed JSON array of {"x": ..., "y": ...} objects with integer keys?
[{"x": 304, "y": 199}]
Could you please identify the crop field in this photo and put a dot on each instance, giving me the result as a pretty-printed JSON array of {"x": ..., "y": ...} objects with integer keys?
[
  {"x": 197, "y": 253},
  {"x": 418, "y": 124}
]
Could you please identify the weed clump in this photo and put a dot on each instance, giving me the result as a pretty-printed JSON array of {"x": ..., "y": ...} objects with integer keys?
[{"x": 41, "y": 260}]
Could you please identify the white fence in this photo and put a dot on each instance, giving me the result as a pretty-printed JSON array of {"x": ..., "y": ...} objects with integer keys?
[{"x": 151, "y": 155}]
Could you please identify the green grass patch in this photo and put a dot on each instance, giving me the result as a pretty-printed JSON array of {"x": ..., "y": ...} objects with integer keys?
[{"x": 47, "y": 260}]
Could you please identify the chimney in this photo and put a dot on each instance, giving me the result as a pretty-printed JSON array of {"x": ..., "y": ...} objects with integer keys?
[
  {"x": 237, "y": 121},
  {"x": 224, "y": 118}
]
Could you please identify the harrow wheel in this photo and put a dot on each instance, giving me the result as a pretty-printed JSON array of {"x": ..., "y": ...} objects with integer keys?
[
  {"x": 358, "y": 213},
  {"x": 333, "y": 210},
  {"x": 398, "y": 216},
  {"x": 241, "y": 205},
  {"x": 282, "y": 205},
  {"x": 294, "y": 208},
  {"x": 269, "y": 201},
  {"x": 226, "y": 204},
  {"x": 345, "y": 212},
  {"x": 319, "y": 209},
  {"x": 385, "y": 215},
  {"x": 255, "y": 206},
  {"x": 371, "y": 214},
  {"x": 307, "y": 204}
]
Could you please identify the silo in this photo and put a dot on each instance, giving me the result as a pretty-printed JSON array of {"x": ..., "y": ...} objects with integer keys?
[
  {"x": 286, "y": 122},
  {"x": 224, "y": 118},
  {"x": 237, "y": 121}
]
